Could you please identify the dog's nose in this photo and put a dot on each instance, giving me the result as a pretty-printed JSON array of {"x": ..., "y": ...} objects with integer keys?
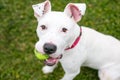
[{"x": 49, "y": 48}]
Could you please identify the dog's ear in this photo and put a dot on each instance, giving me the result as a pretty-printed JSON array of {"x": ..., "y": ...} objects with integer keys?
[
  {"x": 41, "y": 8},
  {"x": 75, "y": 11}
]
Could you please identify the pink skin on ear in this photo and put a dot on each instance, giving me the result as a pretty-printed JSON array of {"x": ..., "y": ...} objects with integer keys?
[
  {"x": 75, "y": 12},
  {"x": 41, "y": 8},
  {"x": 47, "y": 7}
]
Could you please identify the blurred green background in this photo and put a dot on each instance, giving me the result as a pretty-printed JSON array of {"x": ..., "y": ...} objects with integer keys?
[{"x": 18, "y": 36}]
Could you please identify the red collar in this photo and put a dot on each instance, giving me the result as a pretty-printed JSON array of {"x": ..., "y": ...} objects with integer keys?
[{"x": 76, "y": 41}]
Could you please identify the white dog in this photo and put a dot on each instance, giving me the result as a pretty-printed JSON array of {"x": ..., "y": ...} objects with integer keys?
[{"x": 74, "y": 46}]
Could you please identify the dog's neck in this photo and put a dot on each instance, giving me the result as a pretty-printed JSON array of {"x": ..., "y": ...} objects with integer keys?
[{"x": 76, "y": 41}]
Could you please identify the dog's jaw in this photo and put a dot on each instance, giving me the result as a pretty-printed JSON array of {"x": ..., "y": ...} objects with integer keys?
[{"x": 52, "y": 61}]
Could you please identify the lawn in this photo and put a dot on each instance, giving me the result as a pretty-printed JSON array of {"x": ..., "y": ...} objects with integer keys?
[{"x": 18, "y": 36}]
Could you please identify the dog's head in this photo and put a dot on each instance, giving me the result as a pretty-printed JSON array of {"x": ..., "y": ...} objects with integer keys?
[{"x": 57, "y": 30}]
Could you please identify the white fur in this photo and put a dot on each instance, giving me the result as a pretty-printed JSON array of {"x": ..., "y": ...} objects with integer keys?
[{"x": 94, "y": 49}]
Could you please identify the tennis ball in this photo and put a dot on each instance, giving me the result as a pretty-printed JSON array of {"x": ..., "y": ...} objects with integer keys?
[{"x": 40, "y": 55}]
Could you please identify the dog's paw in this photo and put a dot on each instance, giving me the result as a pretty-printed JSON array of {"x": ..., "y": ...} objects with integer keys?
[{"x": 47, "y": 69}]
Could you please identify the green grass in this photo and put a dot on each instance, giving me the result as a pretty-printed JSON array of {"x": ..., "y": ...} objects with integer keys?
[{"x": 18, "y": 36}]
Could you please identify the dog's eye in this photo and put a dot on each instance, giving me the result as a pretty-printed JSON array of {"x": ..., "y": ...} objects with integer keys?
[
  {"x": 64, "y": 30},
  {"x": 43, "y": 27}
]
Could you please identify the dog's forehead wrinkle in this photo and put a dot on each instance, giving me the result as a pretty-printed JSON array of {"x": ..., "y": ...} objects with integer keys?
[
  {"x": 57, "y": 16},
  {"x": 56, "y": 19}
]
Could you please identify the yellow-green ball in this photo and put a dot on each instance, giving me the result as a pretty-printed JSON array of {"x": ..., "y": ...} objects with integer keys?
[{"x": 40, "y": 55}]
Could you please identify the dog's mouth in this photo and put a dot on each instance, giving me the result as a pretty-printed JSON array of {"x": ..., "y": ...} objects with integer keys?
[
  {"x": 49, "y": 60},
  {"x": 52, "y": 61}
]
